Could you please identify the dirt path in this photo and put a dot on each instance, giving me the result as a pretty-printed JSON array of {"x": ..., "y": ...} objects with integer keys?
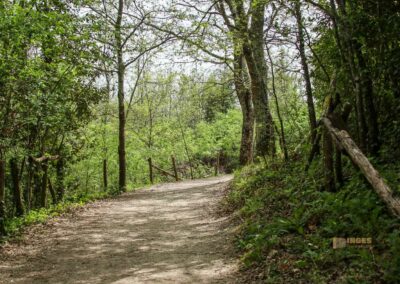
[{"x": 166, "y": 234}]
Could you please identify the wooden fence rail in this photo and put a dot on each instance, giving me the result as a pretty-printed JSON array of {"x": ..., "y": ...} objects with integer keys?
[
  {"x": 174, "y": 174},
  {"x": 344, "y": 141},
  {"x": 162, "y": 171}
]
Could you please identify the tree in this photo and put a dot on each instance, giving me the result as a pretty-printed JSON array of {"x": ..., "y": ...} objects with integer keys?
[
  {"x": 121, "y": 29},
  {"x": 247, "y": 29},
  {"x": 306, "y": 72}
]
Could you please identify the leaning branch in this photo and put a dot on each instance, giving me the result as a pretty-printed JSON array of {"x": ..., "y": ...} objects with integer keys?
[{"x": 343, "y": 139}]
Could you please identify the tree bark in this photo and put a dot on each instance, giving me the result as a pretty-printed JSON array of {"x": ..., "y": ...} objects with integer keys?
[
  {"x": 105, "y": 175},
  {"x": 253, "y": 47},
  {"x": 246, "y": 104},
  {"x": 151, "y": 177},
  {"x": 43, "y": 189},
  {"x": 370, "y": 111},
  {"x": 338, "y": 166},
  {"x": 121, "y": 98},
  {"x": 306, "y": 73},
  {"x": 174, "y": 168},
  {"x": 328, "y": 162},
  {"x": 19, "y": 205},
  {"x": 2, "y": 196},
  {"x": 52, "y": 192},
  {"x": 216, "y": 172},
  {"x": 37, "y": 188},
  {"x": 60, "y": 188},
  {"x": 28, "y": 187},
  {"x": 278, "y": 110},
  {"x": 343, "y": 139},
  {"x": 345, "y": 41}
]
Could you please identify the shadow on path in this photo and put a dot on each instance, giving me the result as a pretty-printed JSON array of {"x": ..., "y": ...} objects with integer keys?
[{"x": 165, "y": 234}]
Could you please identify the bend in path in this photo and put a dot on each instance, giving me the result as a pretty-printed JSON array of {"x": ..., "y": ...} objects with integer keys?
[{"x": 165, "y": 234}]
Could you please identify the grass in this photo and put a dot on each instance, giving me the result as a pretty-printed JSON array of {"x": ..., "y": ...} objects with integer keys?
[{"x": 287, "y": 224}]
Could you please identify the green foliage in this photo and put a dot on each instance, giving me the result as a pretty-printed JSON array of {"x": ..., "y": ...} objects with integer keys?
[
  {"x": 16, "y": 225},
  {"x": 203, "y": 141},
  {"x": 288, "y": 224}
]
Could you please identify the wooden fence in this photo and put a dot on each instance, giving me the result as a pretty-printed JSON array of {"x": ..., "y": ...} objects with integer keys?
[{"x": 174, "y": 173}]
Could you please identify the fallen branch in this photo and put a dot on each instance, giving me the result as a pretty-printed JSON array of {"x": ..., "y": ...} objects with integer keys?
[{"x": 342, "y": 138}]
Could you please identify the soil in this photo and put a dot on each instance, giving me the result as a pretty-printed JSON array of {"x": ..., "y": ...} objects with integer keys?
[{"x": 169, "y": 233}]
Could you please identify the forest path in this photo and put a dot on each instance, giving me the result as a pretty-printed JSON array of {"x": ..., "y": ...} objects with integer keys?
[{"x": 169, "y": 233}]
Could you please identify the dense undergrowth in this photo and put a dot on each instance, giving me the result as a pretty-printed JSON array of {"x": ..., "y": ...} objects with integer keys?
[{"x": 288, "y": 222}]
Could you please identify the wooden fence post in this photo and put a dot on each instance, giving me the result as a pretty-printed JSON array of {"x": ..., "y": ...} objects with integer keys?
[
  {"x": 174, "y": 167},
  {"x": 151, "y": 171}
]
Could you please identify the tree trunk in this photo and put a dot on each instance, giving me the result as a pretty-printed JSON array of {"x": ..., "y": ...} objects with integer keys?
[
  {"x": 338, "y": 166},
  {"x": 2, "y": 196},
  {"x": 37, "y": 188},
  {"x": 52, "y": 192},
  {"x": 343, "y": 139},
  {"x": 345, "y": 41},
  {"x": 314, "y": 151},
  {"x": 253, "y": 48},
  {"x": 245, "y": 43},
  {"x": 278, "y": 111},
  {"x": 28, "y": 188},
  {"x": 151, "y": 176},
  {"x": 370, "y": 111},
  {"x": 60, "y": 188},
  {"x": 121, "y": 99},
  {"x": 328, "y": 162},
  {"x": 174, "y": 168},
  {"x": 306, "y": 73},
  {"x": 19, "y": 205},
  {"x": 105, "y": 175},
  {"x": 43, "y": 189},
  {"x": 246, "y": 104},
  {"x": 217, "y": 161},
  {"x": 247, "y": 140}
]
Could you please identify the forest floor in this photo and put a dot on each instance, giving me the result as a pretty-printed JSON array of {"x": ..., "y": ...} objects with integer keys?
[{"x": 169, "y": 233}]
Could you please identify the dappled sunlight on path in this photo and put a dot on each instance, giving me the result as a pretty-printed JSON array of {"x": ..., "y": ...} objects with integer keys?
[{"x": 165, "y": 234}]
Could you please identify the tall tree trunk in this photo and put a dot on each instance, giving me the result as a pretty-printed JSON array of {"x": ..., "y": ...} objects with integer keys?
[
  {"x": 242, "y": 90},
  {"x": 246, "y": 144},
  {"x": 2, "y": 195},
  {"x": 19, "y": 205},
  {"x": 278, "y": 111},
  {"x": 253, "y": 48},
  {"x": 346, "y": 44},
  {"x": 246, "y": 104},
  {"x": 121, "y": 98},
  {"x": 306, "y": 73}
]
